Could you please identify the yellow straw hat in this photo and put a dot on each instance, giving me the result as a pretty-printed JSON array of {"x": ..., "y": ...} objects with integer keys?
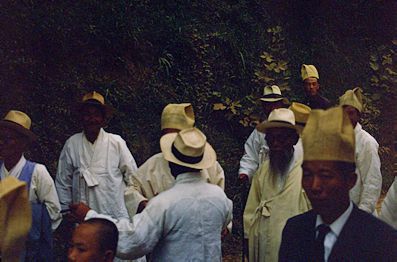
[
  {"x": 309, "y": 71},
  {"x": 177, "y": 116},
  {"x": 329, "y": 135},
  {"x": 301, "y": 113},
  {"x": 280, "y": 117},
  {"x": 20, "y": 122},
  {"x": 353, "y": 98},
  {"x": 15, "y": 218},
  {"x": 188, "y": 148},
  {"x": 96, "y": 99}
]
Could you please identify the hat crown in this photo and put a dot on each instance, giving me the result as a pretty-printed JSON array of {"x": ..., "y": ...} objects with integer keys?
[
  {"x": 282, "y": 115},
  {"x": 20, "y": 118},
  {"x": 177, "y": 116},
  {"x": 190, "y": 142},
  {"x": 309, "y": 71},
  {"x": 94, "y": 96},
  {"x": 271, "y": 90},
  {"x": 353, "y": 98},
  {"x": 301, "y": 112},
  {"x": 329, "y": 135}
]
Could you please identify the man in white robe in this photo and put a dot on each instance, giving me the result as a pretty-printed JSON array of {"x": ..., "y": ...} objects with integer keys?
[
  {"x": 368, "y": 187},
  {"x": 276, "y": 192},
  {"x": 15, "y": 138},
  {"x": 154, "y": 176},
  {"x": 255, "y": 148},
  {"x": 94, "y": 166},
  {"x": 185, "y": 222}
]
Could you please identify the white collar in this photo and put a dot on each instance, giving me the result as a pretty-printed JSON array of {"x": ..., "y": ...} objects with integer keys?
[
  {"x": 337, "y": 225},
  {"x": 15, "y": 170}
]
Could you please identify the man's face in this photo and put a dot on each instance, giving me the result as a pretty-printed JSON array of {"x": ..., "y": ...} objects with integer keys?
[
  {"x": 353, "y": 113},
  {"x": 326, "y": 186},
  {"x": 84, "y": 246},
  {"x": 280, "y": 141},
  {"x": 311, "y": 86},
  {"x": 92, "y": 118},
  {"x": 11, "y": 143},
  {"x": 270, "y": 106}
]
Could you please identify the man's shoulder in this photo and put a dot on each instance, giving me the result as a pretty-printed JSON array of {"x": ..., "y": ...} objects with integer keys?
[
  {"x": 366, "y": 138},
  {"x": 303, "y": 218},
  {"x": 156, "y": 162},
  {"x": 371, "y": 224}
]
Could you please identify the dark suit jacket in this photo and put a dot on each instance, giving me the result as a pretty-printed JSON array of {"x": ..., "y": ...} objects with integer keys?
[
  {"x": 363, "y": 238},
  {"x": 318, "y": 102}
]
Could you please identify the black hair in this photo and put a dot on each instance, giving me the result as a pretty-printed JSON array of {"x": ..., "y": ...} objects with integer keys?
[{"x": 107, "y": 233}]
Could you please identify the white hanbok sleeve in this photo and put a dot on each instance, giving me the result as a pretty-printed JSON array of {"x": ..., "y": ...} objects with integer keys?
[
  {"x": 127, "y": 163},
  {"x": 368, "y": 165},
  {"x": 64, "y": 177},
  {"x": 389, "y": 206},
  {"x": 44, "y": 188},
  {"x": 250, "y": 161}
]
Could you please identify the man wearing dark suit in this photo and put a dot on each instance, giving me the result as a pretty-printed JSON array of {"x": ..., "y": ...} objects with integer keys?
[{"x": 335, "y": 229}]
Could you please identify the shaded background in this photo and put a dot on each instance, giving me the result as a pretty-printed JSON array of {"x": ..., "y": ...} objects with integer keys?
[{"x": 218, "y": 55}]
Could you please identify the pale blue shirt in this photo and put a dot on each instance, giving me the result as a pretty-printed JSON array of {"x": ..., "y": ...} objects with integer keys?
[
  {"x": 183, "y": 223},
  {"x": 336, "y": 228}
]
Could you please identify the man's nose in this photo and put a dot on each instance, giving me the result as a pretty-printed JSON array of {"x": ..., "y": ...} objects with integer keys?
[
  {"x": 71, "y": 255},
  {"x": 316, "y": 185}
]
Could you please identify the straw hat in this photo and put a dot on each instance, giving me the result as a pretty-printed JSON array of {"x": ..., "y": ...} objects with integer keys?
[
  {"x": 309, "y": 71},
  {"x": 177, "y": 116},
  {"x": 301, "y": 113},
  {"x": 20, "y": 122},
  {"x": 353, "y": 98},
  {"x": 271, "y": 94},
  {"x": 15, "y": 218},
  {"x": 96, "y": 99},
  {"x": 188, "y": 148},
  {"x": 281, "y": 117},
  {"x": 329, "y": 135}
]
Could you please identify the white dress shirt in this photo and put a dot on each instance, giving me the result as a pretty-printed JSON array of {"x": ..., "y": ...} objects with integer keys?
[{"x": 336, "y": 227}]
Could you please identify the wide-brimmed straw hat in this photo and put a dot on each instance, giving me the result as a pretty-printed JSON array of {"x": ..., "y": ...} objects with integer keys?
[
  {"x": 271, "y": 94},
  {"x": 177, "y": 116},
  {"x": 301, "y": 113},
  {"x": 353, "y": 98},
  {"x": 96, "y": 99},
  {"x": 281, "y": 117},
  {"x": 20, "y": 122},
  {"x": 329, "y": 135},
  {"x": 15, "y": 218},
  {"x": 309, "y": 71},
  {"x": 188, "y": 148}
]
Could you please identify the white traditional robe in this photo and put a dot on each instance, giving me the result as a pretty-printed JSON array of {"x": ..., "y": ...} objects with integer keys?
[
  {"x": 42, "y": 188},
  {"x": 268, "y": 208},
  {"x": 368, "y": 187},
  {"x": 183, "y": 223},
  {"x": 389, "y": 206},
  {"x": 95, "y": 174},
  {"x": 154, "y": 177}
]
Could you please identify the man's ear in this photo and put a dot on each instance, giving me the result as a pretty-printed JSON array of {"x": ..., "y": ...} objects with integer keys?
[{"x": 109, "y": 255}]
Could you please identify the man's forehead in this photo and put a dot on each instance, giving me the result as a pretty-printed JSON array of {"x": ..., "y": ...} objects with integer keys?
[{"x": 310, "y": 80}]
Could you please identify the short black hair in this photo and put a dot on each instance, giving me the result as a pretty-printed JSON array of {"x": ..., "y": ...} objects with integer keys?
[{"x": 107, "y": 233}]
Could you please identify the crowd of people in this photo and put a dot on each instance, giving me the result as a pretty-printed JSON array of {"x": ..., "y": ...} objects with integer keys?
[{"x": 313, "y": 173}]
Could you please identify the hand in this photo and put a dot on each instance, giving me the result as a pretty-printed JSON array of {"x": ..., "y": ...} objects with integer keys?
[
  {"x": 79, "y": 211},
  {"x": 141, "y": 206},
  {"x": 243, "y": 178}
]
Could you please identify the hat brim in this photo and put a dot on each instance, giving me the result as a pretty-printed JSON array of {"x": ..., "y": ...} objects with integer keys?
[
  {"x": 18, "y": 128},
  {"x": 265, "y": 125},
  {"x": 272, "y": 99},
  {"x": 109, "y": 111},
  {"x": 166, "y": 142}
]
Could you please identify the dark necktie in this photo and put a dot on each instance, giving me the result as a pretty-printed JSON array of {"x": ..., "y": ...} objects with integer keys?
[{"x": 323, "y": 230}]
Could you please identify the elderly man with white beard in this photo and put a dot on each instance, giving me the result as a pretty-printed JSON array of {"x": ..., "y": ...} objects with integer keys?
[{"x": 276, "y": 193}]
